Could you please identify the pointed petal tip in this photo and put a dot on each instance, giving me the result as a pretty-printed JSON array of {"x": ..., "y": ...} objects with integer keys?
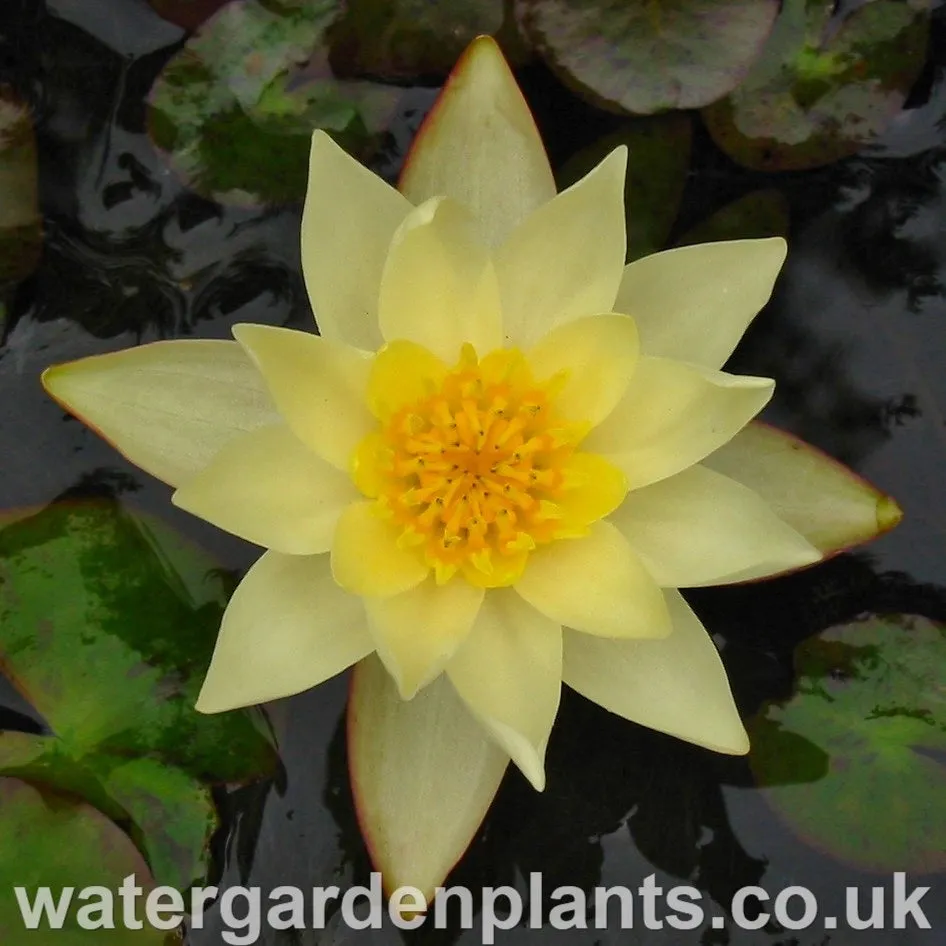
[
  {"x": 536, "y": 778},
  {"x": 739, "y": 746},
  {"x": 483, "y": 54},
  {"x": 205, "y": 706},
  {"x": 53, "y": 377},
  {"x": 619, "y": 155},
  {"x": 46, "y": 379},
  {"x": 889, "y": 514}
]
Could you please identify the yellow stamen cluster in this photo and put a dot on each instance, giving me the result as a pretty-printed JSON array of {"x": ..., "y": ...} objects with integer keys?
[{"x": 471, "y": 471}]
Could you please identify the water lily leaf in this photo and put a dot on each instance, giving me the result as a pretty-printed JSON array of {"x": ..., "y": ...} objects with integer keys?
[
  {"x": 657, "y": 164},
  {"x": 52, "y": 840},
  {"x": 645, "y": 56},
  {"x": 186, "y": 13},
  {"x": 821, "y": 90},
  {"x": 405, "y": 39},
  {"x": 753, "y": 216},
  {"x": 107, "y": 623},
  {"x": 853, "y": 761},
  {"x": 20, "y": 223},
  {"x": 234, "y": 110}
]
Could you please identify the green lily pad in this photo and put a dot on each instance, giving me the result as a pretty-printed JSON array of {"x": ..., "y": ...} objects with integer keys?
[
  {"x": 820, "y": 91},
  {"x": 406, "y": 39},
  {"x": 107, "y": 624},
  {"x": 753, "y": 216},
  {"x": 234, "y": 110},
  {"x": 52, "y": 840},
  {"x": 657, "y": 164},
  {"x": 853, "y": 761},
  {"x": 645, "y": 56}
]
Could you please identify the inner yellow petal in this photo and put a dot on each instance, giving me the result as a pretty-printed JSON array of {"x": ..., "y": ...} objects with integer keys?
[
  {"x": 593, "y": 488},
  {"x": 403, "y": 372}
]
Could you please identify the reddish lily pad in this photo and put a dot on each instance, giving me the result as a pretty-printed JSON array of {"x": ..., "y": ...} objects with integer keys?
[
  {"x": 20, "y": 223},
  {"x": 753, "y": 216},
  {"x": 822, "y": 90},
  {"x": 51, "y": 840},
  {"x": 234, "y": 110},
  {"x": 107, "y": 623},
  {"x": 657, "y": 164},
  {"x": 645, "y": 56},
  {"x": 853, "y": 761},
  {"x": 406, "y": 39},
  {"x": 188, "y": 14}
]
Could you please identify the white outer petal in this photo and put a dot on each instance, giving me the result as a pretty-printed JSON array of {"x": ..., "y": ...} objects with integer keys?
[
  {"x": 676, "y": 685},
  {"x": 166, "y": 406}
]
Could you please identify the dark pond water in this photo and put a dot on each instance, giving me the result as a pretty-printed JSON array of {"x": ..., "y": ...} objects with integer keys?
[{"x": 132, "y": 250}]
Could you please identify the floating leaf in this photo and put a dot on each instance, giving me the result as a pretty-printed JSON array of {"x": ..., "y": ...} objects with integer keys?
[
  {"x": 405, "y": 39},
  {"x": 753, "y": 216},
  {"x": 187, "y": 13},
  {"x": 646, "y": 56},
  {"x": 20, "y": 223},
  {"x": 820, "y": 90},
  {"x": 853, "y": 761},
  {"x": 51, "y": 840},
  {"x": 107, "y": 623},
  {"x": 235, "y": 108},
  {"x": 657, "y": 164}
]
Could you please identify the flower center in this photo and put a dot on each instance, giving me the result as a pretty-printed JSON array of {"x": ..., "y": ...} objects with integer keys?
[{"x": 471, "y": 472}]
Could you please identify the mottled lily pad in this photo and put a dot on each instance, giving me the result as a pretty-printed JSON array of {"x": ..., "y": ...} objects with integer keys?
[
  {"x": 657, "y": 164},
  {"x": 407, "y": 39},
  {"x": 854, "y": 760},
  {"x": 107, "y": 623},
  {"x": 645, "y": 56},
  {"x": 753, "y": 216},
  {"x": 821, "y": 90},
  {"x": 51, "y": 840},
  {"x": 235, "y": 108}
]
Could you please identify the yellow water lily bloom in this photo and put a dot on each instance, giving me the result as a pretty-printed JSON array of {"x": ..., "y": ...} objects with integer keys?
[{"x": 493, "y": 468}]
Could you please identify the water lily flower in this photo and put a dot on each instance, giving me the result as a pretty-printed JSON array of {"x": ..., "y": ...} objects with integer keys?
[{"x": 489, "y": 473}]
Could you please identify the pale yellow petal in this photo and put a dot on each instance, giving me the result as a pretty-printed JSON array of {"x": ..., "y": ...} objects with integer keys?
[
  {"x": 699, "y": 528},
  {"x": 818, "y": 496},
  {"x": 267, "y": 487},
  {"x": 479, "y": 146},
  {"x": 366, "y": 557},
  {"x": 167, "y": 406},
  {"x": 403, "y": 372},
  {"x": 423, "y": 774},
  {"x": 319, "y": 386},
  {"x": 288, "y": 627},
  {"x": 439, "y": 286},
  {"x": 598, "y": 354},
  {"x": 349, "y": 218},
  {"x": 676, "y": 685},
  {"x": 694, "y": 303},
  {"x": 566, "y": 260},
  {"x": 673, "y": 415},
  {"x": 594, "y": 488},
  {"x": 509, "y": 674},
  {"x": 596, "y": 584},
  {"x": 417, "y": 631}
]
